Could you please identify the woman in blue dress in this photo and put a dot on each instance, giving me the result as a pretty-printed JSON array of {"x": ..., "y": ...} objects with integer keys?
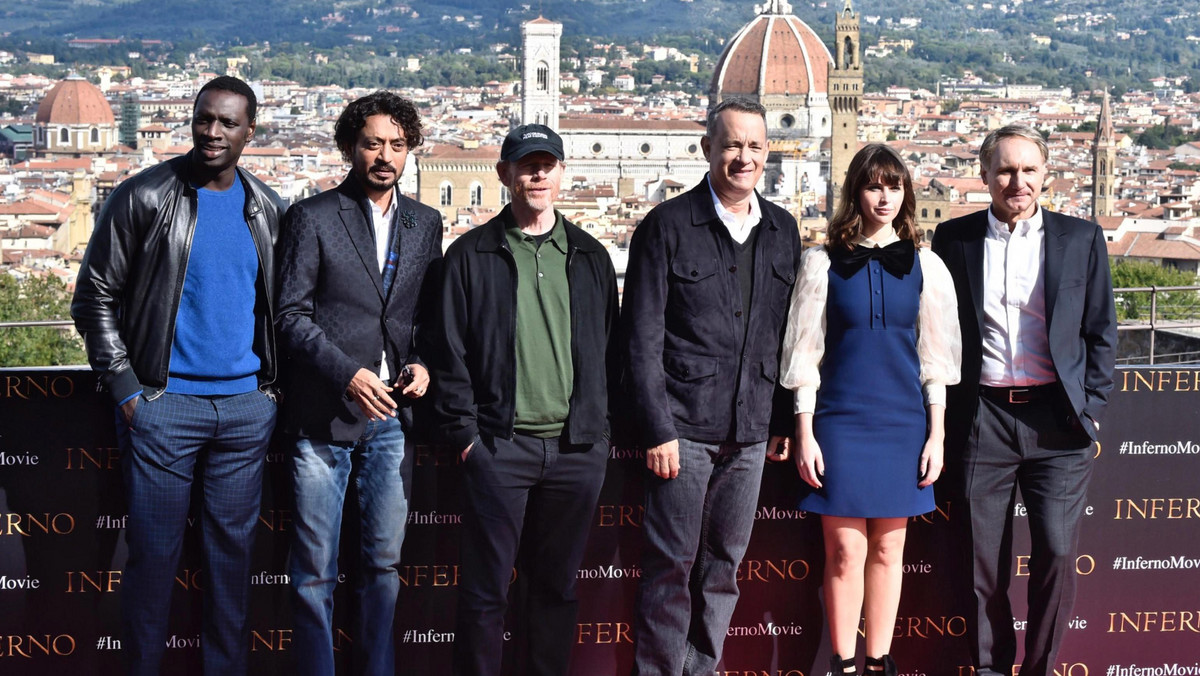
[{"x": 871, "y": 343}]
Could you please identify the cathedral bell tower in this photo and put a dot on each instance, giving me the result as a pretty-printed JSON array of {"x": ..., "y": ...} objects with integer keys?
[
  {"x": 1104, "y": 161},
  {"x": 539, "y": 72},
  {"x": 845, "y": 96}
]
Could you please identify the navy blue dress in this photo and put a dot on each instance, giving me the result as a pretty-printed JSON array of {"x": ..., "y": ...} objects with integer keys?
[{"x": 870, "y": 418}]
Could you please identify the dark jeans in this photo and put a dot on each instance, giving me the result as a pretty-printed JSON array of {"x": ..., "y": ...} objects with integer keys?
[
  {"x": 1026, "y": 445},
  {"x": 220, "y": 441},
  {"x": 696, "y": 528},
  {"x": 538, "y": 497},
  {"x": 321, "y": 471}
]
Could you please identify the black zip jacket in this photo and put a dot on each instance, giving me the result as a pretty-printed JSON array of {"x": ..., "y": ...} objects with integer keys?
[
  {"x": 474, "y": 367},
  {"x": 128, "y": 290}
]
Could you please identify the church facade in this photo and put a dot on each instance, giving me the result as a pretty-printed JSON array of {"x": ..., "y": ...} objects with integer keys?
[{"x": 775, "y": 59}]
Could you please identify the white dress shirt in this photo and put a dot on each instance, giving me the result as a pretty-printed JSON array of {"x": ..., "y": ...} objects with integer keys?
[
  {"x": 382, "y": 220},
  {"x": 738, "y": 231},
  {"x": 1016, "y": 345}
]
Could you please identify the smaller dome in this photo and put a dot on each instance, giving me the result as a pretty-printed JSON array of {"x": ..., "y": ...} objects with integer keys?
[{"x": 75, "y": 101}]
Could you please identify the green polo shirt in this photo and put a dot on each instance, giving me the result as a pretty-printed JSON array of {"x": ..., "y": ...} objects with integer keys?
[{"x": 544, "y": 369}]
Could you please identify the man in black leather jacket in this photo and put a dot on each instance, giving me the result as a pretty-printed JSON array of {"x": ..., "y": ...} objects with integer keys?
[{"x": 174, "y": 302}]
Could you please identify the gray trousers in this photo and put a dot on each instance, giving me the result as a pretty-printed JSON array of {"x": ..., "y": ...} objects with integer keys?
[{"x": 1039, "y": 447}]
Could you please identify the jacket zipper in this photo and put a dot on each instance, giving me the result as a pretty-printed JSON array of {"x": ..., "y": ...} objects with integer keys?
[{"x": 178, "y": 294}]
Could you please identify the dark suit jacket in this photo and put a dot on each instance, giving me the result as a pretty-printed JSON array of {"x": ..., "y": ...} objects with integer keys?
[
  {"x": 695, "y": 370},
  {"x": 1080, "y": 315},
  {"x": 333, "y": 318}
]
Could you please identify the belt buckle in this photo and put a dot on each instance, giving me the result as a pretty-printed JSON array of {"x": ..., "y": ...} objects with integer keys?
[{"x": 1018, "y": 395}]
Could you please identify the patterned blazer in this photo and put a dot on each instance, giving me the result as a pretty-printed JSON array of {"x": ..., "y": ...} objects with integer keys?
[{"x": 334, "y": 317}]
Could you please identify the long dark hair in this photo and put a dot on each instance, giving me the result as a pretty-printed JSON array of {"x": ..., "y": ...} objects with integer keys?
[{"x": 875, "y": 162}]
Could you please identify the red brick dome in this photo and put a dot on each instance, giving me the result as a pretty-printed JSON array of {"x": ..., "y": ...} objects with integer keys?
[
  {"x": 775, "y": 54},
  {"x": 75, "y": 101}
]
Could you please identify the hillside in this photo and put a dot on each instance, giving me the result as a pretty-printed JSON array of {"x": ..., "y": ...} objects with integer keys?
[{"x": 1119, "y": 43}]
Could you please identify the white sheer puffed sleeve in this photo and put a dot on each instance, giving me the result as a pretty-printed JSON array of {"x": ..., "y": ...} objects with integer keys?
[
  {"x": 804, "y": 339},
  {"x": 939, "y": 343}
]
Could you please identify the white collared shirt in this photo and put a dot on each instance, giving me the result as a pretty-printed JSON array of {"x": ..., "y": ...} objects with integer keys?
[
  {"x": 738, "y": 231},
  {"x": 1016, "y": 344},
  {"x": 382, "y": 221},
  {"x": 884, "y": 237}
]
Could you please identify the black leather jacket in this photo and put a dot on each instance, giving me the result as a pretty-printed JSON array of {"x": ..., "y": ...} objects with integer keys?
[{"x": 128, "y": 289}]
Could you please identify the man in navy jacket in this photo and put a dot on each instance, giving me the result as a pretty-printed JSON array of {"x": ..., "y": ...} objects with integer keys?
[
  {"x": 706, "y": 297},
  {"x": 357, "y": 270},
  {"x": 1039, "y": 333}
]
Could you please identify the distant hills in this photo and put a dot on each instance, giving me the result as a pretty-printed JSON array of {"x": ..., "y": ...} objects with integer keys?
[{"x": 1092, "y": 43}]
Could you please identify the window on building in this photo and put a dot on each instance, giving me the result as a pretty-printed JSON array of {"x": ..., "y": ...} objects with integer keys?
[
  {"x": 543, "y": 77},
  {"x": 476, "y": 195},
  {"x": 644, "y": 149},
  {"x": 924, "y": 213},
  {"x": 94, "y": 137},
  {"x": 446, "y": 194},
  {"x": 505, "y": 198},
  {"x": 64, "y": 136}
]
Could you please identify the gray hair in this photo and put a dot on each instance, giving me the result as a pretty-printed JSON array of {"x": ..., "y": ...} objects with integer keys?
[
  {"x": 994, "y": 137},
  {"x": 735, "y": 103}
]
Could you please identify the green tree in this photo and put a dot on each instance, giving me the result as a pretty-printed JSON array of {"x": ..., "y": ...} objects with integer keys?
[
  {"x": 37, "y": 298},
  {"x": 1169, "y": 305}
]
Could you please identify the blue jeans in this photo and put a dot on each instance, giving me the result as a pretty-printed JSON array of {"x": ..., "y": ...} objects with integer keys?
[
  {"x": 382, "y": 474},
  {"x": 173, "y": 441},
  {"x": 696, "y": 530}
]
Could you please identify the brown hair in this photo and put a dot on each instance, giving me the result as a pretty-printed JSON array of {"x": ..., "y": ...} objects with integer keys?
[{"x": 875, "y": 162}]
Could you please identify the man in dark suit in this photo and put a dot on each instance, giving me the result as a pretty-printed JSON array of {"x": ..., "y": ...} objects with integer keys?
[
  {"x": 1039, "y": 332},
  {"x": 706, "y": 298},
  {"x": 356, "y": 270}
]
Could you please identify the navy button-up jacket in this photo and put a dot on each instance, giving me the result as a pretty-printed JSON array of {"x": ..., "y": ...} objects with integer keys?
[{"x": 695, "y": 369}]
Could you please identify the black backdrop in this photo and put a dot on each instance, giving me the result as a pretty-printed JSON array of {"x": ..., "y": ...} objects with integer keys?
[{"x": 62, "y": 552}]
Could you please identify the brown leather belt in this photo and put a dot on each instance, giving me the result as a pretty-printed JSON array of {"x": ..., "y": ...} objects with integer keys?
[{"x": 1017, "y": 395}]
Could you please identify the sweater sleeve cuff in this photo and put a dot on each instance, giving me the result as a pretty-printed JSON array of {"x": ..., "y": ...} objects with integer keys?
[
  {"x": 806, "y": 399},
  {"x": 123, "y": 386},
  {"x": 130, "y": 398}
]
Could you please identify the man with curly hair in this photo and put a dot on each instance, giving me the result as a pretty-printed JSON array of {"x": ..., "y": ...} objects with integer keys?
[{"x": 356, "y": 268}]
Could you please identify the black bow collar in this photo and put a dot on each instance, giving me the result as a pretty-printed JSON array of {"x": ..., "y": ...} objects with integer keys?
[{"x": 897, "y": 258}]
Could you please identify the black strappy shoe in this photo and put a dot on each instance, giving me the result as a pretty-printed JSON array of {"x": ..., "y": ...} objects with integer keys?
[
  {"x": 839, "y": 666},
  {"x": 886, "y": 667}
]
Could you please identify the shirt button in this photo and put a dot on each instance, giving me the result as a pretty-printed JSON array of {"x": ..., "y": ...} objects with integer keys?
[
  {"x": 739, "y": 402},
  {"x": 877, "y": 315},
  {"x": 737, "y": 314},
  {"x": 695, "y": 273},
  {"x": 733, "y": 268},
  {"x": 877, "y": 292},
  {"x": 541, "y": 275}
]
